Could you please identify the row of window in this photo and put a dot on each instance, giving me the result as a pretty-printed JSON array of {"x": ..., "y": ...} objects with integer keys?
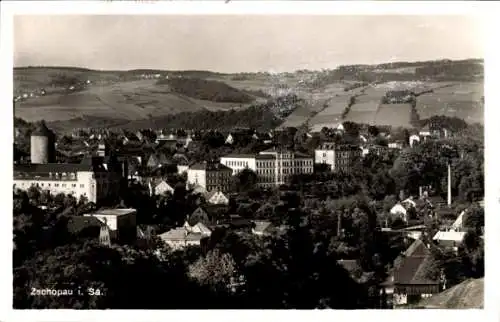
[
  {"x": 237, "y": 163},
  {"x": 63, "y": 185}
]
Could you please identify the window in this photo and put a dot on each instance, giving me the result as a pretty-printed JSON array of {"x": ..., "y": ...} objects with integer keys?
[
  {"x": 82, "y": 186},
  {"x": 64, "y": 185},
  {"x": 41, "y": 184},
  {"x": 56, "y": 184},
  {"x": 73, "y": 185}
]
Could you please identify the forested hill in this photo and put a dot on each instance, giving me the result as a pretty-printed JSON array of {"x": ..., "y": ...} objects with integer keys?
[{"x": 258, "y": 117}]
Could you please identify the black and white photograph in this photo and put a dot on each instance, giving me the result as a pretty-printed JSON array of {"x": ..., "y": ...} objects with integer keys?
[{"x": 249, "y": 161}]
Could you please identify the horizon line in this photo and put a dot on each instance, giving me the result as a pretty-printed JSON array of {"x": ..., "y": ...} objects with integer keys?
[{"x": 245, "y": 72}]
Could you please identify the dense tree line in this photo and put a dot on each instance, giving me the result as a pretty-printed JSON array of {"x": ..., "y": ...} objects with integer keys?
[{"x": 206, "y": 90}]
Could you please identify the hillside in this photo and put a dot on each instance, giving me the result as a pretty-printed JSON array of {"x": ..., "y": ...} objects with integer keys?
[
  {"x": 443, "y": 87},
  {"x": 466, "y": 295}
]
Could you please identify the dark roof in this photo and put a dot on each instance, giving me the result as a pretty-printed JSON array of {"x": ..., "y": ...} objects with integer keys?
[
  {"x": 42, "y": 130},
  {"x": 413, "y": 270},
  {"x": 52, "y": 167},
  {"x": 210, "y": 166},
  {"x": 239, "y": 155}
]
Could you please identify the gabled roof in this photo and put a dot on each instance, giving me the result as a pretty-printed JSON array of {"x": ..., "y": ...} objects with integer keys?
[
  {"x": 413, "y": 271},
  {"x": 261, "y": 226},
  {"x": 417, "y": 249}
]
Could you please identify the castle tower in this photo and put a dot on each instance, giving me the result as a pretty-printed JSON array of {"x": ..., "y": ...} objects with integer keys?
[{"x": 42, "y": 145}]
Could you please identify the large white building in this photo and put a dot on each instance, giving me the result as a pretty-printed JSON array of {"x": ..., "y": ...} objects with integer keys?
[
  {"x": 273, "y": 166},
  {"x": 92, "y": 178}
]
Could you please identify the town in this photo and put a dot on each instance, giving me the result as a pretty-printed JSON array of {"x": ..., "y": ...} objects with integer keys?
[
  {"x": 395, "y": 214},
  {"x": 247, "y": 161}
]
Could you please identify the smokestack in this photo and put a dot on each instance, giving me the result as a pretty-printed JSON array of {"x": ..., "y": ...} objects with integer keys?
[{"x": 449, "y": 185}]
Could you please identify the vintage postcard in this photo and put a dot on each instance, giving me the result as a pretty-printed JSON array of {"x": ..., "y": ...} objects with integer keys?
[{"x": 181, "y": 159}]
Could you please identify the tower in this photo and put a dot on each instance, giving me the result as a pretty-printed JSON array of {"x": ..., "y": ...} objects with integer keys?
[{"x": 42, "y": 145}]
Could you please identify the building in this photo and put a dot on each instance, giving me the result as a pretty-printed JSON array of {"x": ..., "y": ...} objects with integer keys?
[
  {"x": 272, "y": 166},
  {"x": 449, "y": 239},
  {"x": 340, "y": 157},
  {"x": 276, "y": 166},
  {"x": 239, "y": 162},
  {"x": 92, "y": 178},
  {"x": 179, "y": 238},
  {"x": 407, "y": 283},
  {"x": 160, "y": 188},
  {"x": 216, "y": 198},
  {"x": 210, "y": 175},
  {"x": 42, "y": 145},
  {"x": 121, "y": 222}
]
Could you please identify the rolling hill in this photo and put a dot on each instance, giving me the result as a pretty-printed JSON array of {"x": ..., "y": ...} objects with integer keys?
[
  {"x": 56, "y": 94},
  {"x": 466, "y": 295}
]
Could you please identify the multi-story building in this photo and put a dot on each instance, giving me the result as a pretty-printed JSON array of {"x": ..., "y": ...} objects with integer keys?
[
  {"x": 340, "y": 157},
  {"x": 239, "y": 162},
  {"x": 273, "y": 166},
  {"x": 92, "y": 178},
  {"x": 210, "y": 175}
]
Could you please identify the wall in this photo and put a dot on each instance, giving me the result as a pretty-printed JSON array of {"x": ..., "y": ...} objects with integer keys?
[
  {"x": 325, "y": 157},
  {"x": 238, "y": 164}
]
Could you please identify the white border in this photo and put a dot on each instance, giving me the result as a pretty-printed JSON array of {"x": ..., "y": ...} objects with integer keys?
[{"x": 485, "y": 9}]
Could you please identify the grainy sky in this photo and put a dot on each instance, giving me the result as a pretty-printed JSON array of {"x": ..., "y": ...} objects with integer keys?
[{"x": 240, "y": 43}]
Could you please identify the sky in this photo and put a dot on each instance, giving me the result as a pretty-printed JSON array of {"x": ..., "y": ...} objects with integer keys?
[{"x": 243, "y": 43}]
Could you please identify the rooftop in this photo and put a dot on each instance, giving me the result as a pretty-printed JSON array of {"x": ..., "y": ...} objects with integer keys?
[
  {"x": 210, "y": 166},
  {"x": 457, "y": 236},
  {"x": 112, "y": 212}
]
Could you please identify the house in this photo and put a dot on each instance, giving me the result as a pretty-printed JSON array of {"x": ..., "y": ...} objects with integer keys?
[
  {"x": 408, "y": 282},
  {"x": 262, "y": 228},
  {"x": 121, "y": 222},
  {"x": 179, "y": 238},
  {"x": 425, "y": 131},
  {"x": 199, "y": 215},
  {"x": 449, "y": 239},
  {"x": 210, "y": 175},
  {"x": 216, "y": 198},
  {"x": 198, "y": 228},
  {"x": 162, "y": 188}
]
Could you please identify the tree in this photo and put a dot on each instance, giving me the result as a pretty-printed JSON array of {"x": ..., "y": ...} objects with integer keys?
[
  {"x": 216, "y": 270},
  {"x": 245, "y": 180}
]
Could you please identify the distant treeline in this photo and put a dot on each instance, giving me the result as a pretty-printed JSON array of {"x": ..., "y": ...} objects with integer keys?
[
  {"x": 440, "y": 70},
  {"x": 258, "y": 117},
  {"x": 206, "y": 90}
]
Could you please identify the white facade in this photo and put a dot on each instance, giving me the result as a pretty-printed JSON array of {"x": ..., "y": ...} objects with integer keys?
[
  {"x": 325, "y": 156},
  {"x": 87, "y": 184},
  {"x": 181, "y": 169},
  {"x": 239, "y": 163}
]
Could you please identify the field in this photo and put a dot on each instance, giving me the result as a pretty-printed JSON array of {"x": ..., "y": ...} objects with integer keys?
[
  {"x": 130, "y": 100},
  {"x": 124, "y": 95},
  {"x": 393, "y": 115},
  {"x": 459, "y": 100}
]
